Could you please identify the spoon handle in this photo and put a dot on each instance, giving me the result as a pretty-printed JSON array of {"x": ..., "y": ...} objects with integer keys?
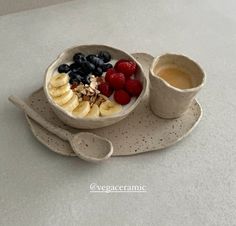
[{"x": 62, "y": 133}]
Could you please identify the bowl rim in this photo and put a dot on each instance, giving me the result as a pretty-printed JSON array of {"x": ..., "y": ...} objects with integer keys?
[{"x": 123, "y": 113}]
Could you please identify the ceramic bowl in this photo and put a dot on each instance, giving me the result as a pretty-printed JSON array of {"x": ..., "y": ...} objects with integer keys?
[{"x": 87, "y": 123}]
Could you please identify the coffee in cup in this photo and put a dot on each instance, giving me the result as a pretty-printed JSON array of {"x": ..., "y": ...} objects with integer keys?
[{"x": 174, "y": 82}]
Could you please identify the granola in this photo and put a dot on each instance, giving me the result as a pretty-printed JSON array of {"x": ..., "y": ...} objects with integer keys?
[{"x": 90, "y": 92}]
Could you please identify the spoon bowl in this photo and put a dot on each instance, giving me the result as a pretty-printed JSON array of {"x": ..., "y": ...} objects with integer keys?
[{"x": 91, "y": 147}]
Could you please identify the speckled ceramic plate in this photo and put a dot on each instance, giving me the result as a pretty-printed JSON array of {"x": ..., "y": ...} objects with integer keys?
[{"x": 140, "y": 132}]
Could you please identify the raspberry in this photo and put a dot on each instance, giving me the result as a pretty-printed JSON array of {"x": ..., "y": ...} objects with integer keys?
[
  {"x": 118, "y": 62},
  {"x": 128, "y": 68},
  {"x": 109, "y": 72},
  {"x": 133, "y": 87},
  {"x": 105, "y": 89},
  {"x": 117, "y": 80},
  {"x": 122, "y": 97}
]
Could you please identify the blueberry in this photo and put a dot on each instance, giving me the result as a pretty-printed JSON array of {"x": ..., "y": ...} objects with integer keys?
[
  {"x": 79, "y": 54},
  {"x": 80, "y": 61},
  {"x": 75, "y": 70},
  {"x": 92, "y": 67},
  {"x": 83, "y": 73},
  {"x": 105, "y": 67},
  {"x": 97, "y": 61},
  {"x": 72, "y": 80},
  {"x": 98, "y": 71},
  {"x": 78, "y": 71},
  {"x": 63, "y": 68},
  {"x": 87, "y": 67},
  {"x": 74, "y": 66},
  {"x": 78, "y": 57},
  {"x": 72, "y": 75},
  {"x": 90, "y": 57},
  {"x": 86, "y": 80},
  {"x": 105, "y": 56},
  {"x": 79, "y": 78}
]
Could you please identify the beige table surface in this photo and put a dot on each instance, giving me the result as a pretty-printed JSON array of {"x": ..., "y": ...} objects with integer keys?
[{"x": 192, "y": 183}]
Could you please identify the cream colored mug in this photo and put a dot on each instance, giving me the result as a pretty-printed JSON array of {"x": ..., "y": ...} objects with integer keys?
[{"x": 168, "y": 101}]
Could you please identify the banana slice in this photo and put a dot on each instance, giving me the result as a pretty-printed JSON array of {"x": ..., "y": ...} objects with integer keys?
[
  {"x": 55, "y": 92},
  {"x": 82, "y": 109},
  {"x": 94, "y": 112},
  {"x": 59, "y": 80},
  {"x": 64, "y": 98},
  {"x": 108, "y": 108},
  {"x": 71, "y": 104}
]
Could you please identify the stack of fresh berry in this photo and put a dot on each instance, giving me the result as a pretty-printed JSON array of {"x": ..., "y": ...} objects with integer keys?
[
  {"x": 119, "y": 80},
  {"x": 84, "y": 66}
]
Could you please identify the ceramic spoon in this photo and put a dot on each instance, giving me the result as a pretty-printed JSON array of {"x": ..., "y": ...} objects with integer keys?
[{"x": 87, "y": 146}]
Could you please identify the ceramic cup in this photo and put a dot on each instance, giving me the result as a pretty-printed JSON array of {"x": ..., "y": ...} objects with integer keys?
[{"x": 167, "y": 101}]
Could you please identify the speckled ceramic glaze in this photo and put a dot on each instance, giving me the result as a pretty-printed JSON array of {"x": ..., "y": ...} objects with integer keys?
[
  {"x": 140, "y": 132},
  {"x": 168, "y": 101},
  {"x": 87, "y": 146},
  {"x": 92, "y": 123}
]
